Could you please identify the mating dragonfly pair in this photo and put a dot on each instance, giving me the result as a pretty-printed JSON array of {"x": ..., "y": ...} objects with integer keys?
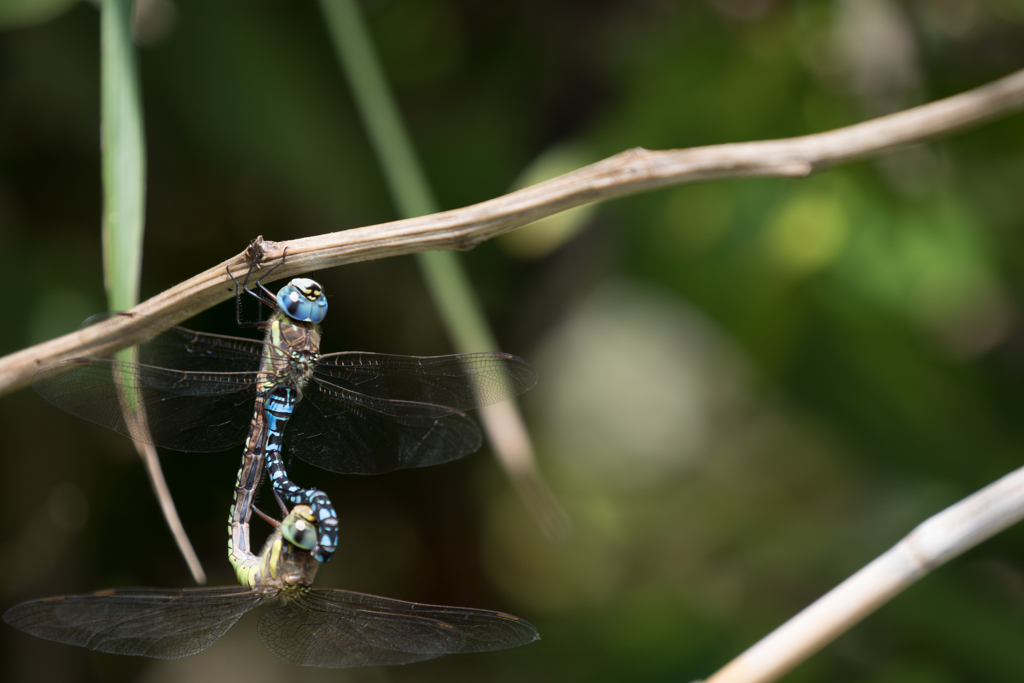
[{"x": 360, "y": 413}]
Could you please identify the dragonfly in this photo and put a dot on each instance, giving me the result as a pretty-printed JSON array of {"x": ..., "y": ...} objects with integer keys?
[
  {"x": 308, "y": 626},
  {"x": 354, "y": 412}
]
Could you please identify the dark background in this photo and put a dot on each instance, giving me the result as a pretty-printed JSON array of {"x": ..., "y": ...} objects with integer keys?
[{"x": 748, "y": 389}]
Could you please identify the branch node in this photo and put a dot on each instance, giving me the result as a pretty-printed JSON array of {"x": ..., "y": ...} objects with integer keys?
[{"x": 256, "y": 251}]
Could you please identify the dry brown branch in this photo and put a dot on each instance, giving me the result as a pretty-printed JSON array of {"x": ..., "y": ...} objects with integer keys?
[
  {"x": 630, "y": 172},
  {"x": 142, "y": 439},
  {"x": 934, "y": 542}
]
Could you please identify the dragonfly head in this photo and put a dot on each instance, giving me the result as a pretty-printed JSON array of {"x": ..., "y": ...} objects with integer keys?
[
  {"x": 299, "y": 527},
  {"x": 303, "y": 299}
]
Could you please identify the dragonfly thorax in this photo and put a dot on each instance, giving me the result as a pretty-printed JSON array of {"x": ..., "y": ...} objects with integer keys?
[{"x": 293, "y": 352}]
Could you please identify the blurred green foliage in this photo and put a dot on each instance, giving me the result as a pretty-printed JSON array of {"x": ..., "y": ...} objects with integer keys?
[{"x": 748, "y": 389}]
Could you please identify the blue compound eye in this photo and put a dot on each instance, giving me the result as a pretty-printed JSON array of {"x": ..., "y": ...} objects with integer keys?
[
  {"x": 293, "y": 303},
  {"x": 303, "y": 299},
  {"x": 319, "y": 309}
]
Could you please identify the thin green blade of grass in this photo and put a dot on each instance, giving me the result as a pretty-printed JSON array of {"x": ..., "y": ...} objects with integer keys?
[
  {"x": 446, "y": 279},
  {"x": 124, "y": 205}
]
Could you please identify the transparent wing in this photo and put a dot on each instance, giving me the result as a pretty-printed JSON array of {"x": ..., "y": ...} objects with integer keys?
[
  {"x": 185, "y": 410},
  {"x": 369, "y": 413},
  {"x": 180, "y": 348},
  {"x": 196, "y": 390},
  {"x": 348, "y": 432},
  {"x": 183, "y": 349},
  {"x": 462, "y": 381},
  {"x": 148, "y": 622},
  {"x": 338, "y": 629}
]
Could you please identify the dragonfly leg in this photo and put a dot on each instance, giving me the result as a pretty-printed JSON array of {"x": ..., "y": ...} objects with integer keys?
[
  {"x": 239, "y": 286},
  {"x": 266, "y": 297},
  {"x": 259, "y": 283},
  {"x": 280, "y": 503},
  {"x": 267, "y": 518}
]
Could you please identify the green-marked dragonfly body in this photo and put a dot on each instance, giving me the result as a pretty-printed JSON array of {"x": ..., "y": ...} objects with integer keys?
[{"x": 308, "y": 627}]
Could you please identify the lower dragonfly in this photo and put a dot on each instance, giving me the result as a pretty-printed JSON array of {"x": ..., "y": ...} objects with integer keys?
[
  {"x": 360, "y": 413},
  {"x": 310, "y": 627}
]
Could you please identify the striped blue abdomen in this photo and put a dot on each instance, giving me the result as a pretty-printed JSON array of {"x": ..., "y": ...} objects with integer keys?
[{"x": 279, "y": 406}]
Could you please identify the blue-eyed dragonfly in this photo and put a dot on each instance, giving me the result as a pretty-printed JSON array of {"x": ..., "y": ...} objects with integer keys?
[{"x": 360, "y": 412}]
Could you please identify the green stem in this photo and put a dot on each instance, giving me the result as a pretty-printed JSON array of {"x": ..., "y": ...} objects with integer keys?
[
  {"x": 124, "y": 214},
  {"x": 124, "y": 157},
  {"x": 446, "y": 279}
]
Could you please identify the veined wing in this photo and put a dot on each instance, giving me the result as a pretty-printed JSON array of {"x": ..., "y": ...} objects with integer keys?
[
  {"x": 348, "y": 432},
  {"x": 462, "y": 381},
  {"x": 183, "y": 349},
  {"x": 148, "y": 622},
  {"x": 180, "y": 348},
  {"x": 339, "y": 629},
  {"x": 185, "y": 410}
]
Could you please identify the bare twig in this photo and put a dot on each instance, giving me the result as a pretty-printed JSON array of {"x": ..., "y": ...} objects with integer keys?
[
  {"x": 163, "y": 494},
  {"x": 630, "y": 172},
  {"x": 934, "y": 542}
]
